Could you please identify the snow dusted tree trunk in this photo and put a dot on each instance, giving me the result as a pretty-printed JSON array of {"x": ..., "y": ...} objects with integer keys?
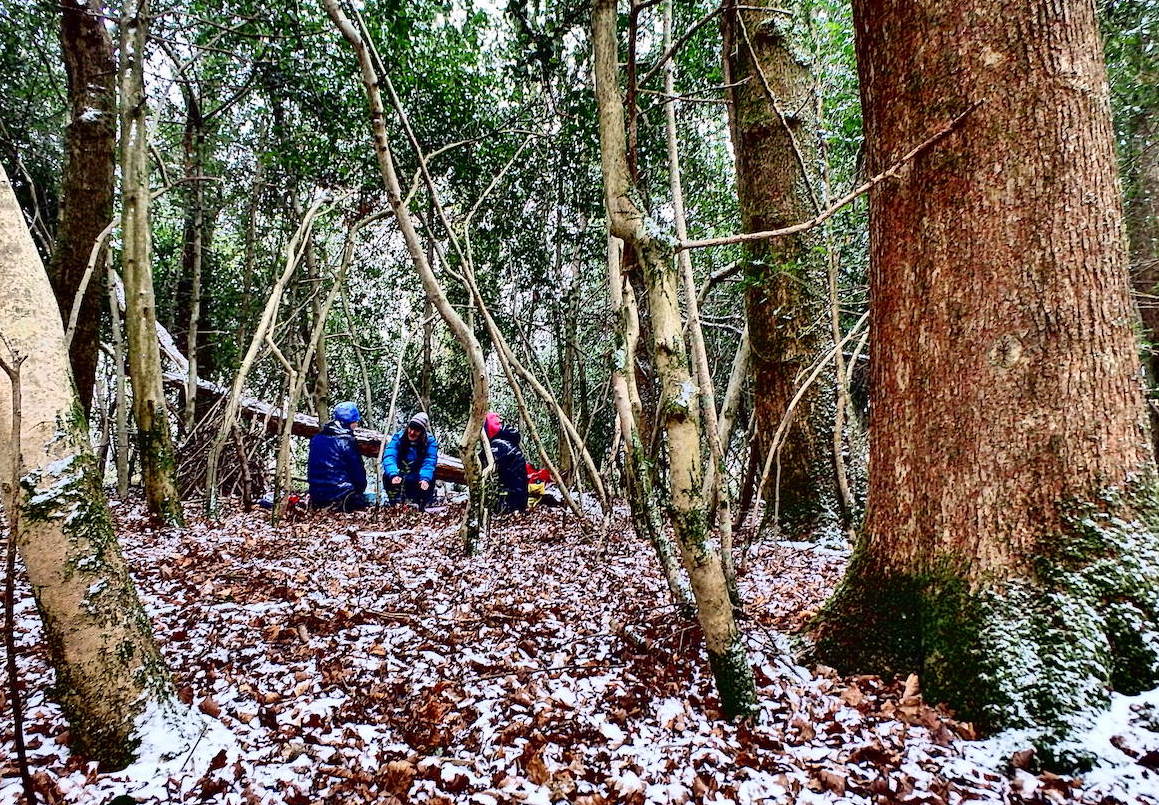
[
  {"x": 714, "y": 487},
  {"x": 108, "y": 670},
  {"x": 156, "y": 450},
  {"x": 475, "y": 519},
  {"x": 643, "y": 501},
  {"x": 86, "y": 189},
  {"x": 678, "y": 414},
  {"x": 770, "y": 113},
  {"x": 1010, "y": 555}
]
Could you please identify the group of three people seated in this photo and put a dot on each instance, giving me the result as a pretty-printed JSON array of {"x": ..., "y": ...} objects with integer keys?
[{"x": 338, "y": 479}]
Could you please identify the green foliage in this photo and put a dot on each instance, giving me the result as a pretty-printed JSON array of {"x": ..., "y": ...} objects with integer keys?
[
  {"x": 33, "y": 109},
  {"x": 277, "y": 99},
  {"x": 1131, "y": 45}
]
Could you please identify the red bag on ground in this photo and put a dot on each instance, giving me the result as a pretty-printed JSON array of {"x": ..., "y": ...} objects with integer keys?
[{"x": 534, "y": 475}]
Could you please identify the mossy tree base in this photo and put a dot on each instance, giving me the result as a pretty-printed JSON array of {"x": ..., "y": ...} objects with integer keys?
[
  {"x": 734, "y": 681},
  {"x": 108, "y": 668},
  {"x": 1034, "y": 652}
]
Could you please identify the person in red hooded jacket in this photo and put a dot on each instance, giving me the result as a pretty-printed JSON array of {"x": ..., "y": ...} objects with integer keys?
[{"x": 510, "y": 465}]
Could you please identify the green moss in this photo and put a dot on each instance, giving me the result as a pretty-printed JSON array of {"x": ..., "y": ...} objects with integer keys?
[
  {"x": 1134, "y": 645},
  {"x": 70, "y": 491},
  {"x": 734, "y": 681},
  {"x": 67, "y": 493},
  {"x": 1040, "y": 651},
  {"x": 160, "y": 470},
  {"x": 691, "y": 528},
  {"x": 871, "y": 623}
]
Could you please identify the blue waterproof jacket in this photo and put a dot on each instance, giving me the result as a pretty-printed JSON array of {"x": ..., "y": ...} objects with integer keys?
[
  {"x": 411, "y": 460},
  {"x": 335, "y": 468}
]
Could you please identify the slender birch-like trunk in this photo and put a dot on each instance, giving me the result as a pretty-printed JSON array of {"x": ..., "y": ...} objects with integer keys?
[
  {"x": 158, "y": 469},
  {"x": 476, "y": 516},
  {"x": 678, "y": 412},
  {"x": 121, "y": 454},
  {"x": 261, "y": 336},
  {"x": 640, "y": 481},
  {"x": 715, "y": 476}
]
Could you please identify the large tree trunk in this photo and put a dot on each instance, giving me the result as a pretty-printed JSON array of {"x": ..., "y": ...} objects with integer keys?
[
  {"x": 770, "y": 113},
  {"x": 1007, "y": 554},
  {"x": 86, "y": 191},
  {"x": 158, "y": 470},
  {"x": 109, "y": 674},
  {"x": 677, "y": 413}
]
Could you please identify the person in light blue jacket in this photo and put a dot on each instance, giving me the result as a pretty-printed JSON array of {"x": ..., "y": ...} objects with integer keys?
[{"x": 408, "y": 463}]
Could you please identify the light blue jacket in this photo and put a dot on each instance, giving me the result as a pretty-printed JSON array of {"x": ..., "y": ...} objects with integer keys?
[{"x": 411, "y": 460}]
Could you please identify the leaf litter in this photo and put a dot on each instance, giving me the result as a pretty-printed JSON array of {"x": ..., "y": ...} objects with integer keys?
[{"x": 362, "y": 658}]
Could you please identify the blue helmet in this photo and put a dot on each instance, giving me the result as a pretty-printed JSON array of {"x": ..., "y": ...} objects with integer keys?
[{"x": 347, "y": 413}]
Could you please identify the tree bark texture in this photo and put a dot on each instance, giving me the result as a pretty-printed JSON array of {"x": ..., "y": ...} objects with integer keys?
[
  {"x": 678, "y": 414},
  {"x": 715, "y": 487},
  {"x": 86, "y": 192},
  {"x": 108, "y": 669},
  {"x": 1008, "y": 554},
  {"x": 190, "y": 297},
  {"x": 786, "y": 303},
  {"x": 158, "y": 470},
  {"x": 639, "y": 470}
]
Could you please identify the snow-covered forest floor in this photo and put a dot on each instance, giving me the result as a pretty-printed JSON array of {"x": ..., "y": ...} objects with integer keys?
[{"x": 358, "y": 658}]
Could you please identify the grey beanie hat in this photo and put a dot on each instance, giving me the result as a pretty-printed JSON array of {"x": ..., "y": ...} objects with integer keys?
[{"x": 420, "y": 421}]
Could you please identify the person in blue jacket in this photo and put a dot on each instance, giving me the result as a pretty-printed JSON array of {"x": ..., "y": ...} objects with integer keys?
[
  {"x": 408, "y": 463},
  {"x": 335, "y": 472}
]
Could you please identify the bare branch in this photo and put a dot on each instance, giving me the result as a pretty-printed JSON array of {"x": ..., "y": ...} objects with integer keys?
[
  {"x": 892, "y": 172},
  {"x": 12, "y": 509}
]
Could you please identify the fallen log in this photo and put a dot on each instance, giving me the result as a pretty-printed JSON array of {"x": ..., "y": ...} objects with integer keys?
[{"x": 448, "y": 468}]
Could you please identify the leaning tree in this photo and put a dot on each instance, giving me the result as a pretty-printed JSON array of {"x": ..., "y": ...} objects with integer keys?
[
  {"x": 678, "y": 410},
  {"x": 1009, "y": 552},
  {"x": 109, "y": 674}
]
